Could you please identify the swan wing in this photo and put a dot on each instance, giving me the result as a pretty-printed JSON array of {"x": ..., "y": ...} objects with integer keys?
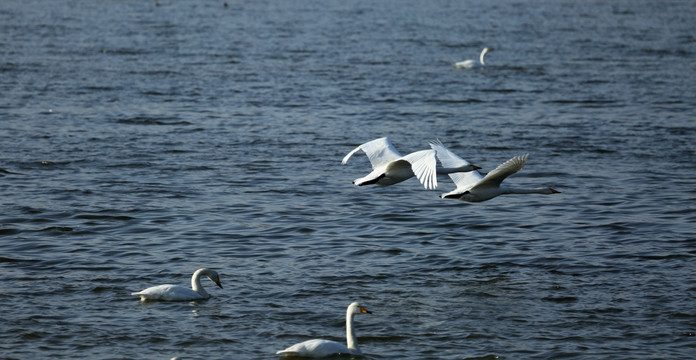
[
  {"x": 423, "y": 164},
  {"x": 345, "y": 158},
  {"x": 497, "y": 175},
  {"x": 466, "y": 64},
  {"x": 379, "y": 151},
  {"x": 316, "y": 348},
  {"x": 168, "y": 293},
  {"x": 448, "y": 159}
]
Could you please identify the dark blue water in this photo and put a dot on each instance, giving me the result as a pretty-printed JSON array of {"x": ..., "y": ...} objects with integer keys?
[{"x": 141, "y": 142}]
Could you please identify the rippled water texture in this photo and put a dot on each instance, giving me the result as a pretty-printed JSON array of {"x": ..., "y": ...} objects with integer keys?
[{"x": 141, "y": 141}]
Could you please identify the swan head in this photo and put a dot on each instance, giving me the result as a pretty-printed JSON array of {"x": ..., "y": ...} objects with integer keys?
[
  {"x": 356, "y": 308},
  {"x": 212, "y": 275},
  {"x": 487, "y": 49}
]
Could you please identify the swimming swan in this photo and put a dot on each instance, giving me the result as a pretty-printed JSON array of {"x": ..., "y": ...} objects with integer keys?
[
  {"x": 181, "y": 293},
  {"x": 389, "y": 167},
  {"x": 474, "y": 187},
  {"x": 470, "y": 64},
  {"x": 321, "y": 348}
]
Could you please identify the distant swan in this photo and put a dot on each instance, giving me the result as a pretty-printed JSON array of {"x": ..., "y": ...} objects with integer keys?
[
  {"x": 321, "y": 348},
  {"x": 470, "y": 64},
  {"x": 181, "y": 293},
  {"x": 474, "y": 187},
  {"x": 389, "y": 167}
]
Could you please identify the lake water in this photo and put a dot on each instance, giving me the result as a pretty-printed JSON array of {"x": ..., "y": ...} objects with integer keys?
[{"x": 141, "y": 141}]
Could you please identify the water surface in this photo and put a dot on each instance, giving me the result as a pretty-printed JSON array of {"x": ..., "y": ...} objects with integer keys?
[{"x": 141, "y": 142}]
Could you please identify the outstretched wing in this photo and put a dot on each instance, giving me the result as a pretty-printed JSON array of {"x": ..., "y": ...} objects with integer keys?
[
  {"x": 448, "y": 159},
  {"x": 379, "y": 151},
  {"x": 497, "y": 175},
  {"x": 423, "y": 164}
]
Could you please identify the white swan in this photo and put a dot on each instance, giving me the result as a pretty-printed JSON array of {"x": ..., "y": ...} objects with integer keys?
[
  {"x": 389, "y": 167},
  {"x": 181, "y": 293},
  {"x": 470, "y": 64},
  {"x": 473, "y": 187},
  {"x": 320, "y": 348}
]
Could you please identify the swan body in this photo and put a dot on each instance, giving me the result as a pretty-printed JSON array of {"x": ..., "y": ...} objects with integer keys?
[
  {"x": 474, "y": 187},
  {"x": 470, "y": 64},
  {"x": 180, "y": 293},
  {"x": 389, "y": 167},
  {"x": 317, "y": 348}
]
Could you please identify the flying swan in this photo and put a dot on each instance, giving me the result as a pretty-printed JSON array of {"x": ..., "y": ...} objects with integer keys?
[
  {"x": 389, "y": 167},
  {"x": 473, "y": 187},
  {"x": 321, "y": 348},
  {"x": 470, "y": 64},
  {"x": 181, "y": 293}
]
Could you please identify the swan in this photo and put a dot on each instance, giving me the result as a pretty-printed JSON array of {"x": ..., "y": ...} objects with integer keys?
[
  {"x": 470, "y": 64},
  {"x": 474, "y": 187},
  {"x": 181, "y": 293},
  {"x": 389, "y": 167},
  {"x": 320, "y": 348}
]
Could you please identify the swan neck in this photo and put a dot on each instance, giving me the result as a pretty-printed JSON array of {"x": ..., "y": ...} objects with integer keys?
[
  {"x": 526, "y": 190},
  {"x": 351, "y": 340},
  {"x": 450, "y": 170},
  {"x": 196, "y": 283},
  {"x": 483, "y": 53}
]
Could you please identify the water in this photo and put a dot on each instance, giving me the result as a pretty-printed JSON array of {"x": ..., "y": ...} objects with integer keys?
[{"x": 141, "y": 142}]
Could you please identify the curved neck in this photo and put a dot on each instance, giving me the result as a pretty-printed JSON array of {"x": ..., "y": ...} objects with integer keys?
[
  {"x": 351, "y": 340},
  {"x": 483, "y": 53},
  {"x": 196, "y": 283}
]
